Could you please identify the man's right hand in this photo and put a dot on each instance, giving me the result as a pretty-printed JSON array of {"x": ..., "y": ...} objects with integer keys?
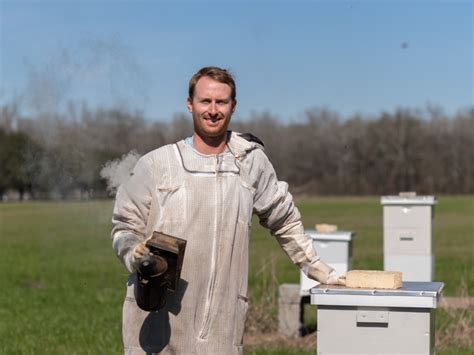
[{"x": 138, "y": 253}]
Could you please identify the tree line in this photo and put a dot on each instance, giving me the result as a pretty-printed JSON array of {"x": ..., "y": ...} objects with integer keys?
[{"x": 61, "y": 156}]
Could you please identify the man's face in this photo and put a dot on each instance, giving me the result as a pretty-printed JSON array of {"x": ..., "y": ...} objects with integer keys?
[{"x": 211, "y": 107}]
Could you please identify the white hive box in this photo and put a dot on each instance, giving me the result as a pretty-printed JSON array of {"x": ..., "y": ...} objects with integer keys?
[
  {"x": 334, "y": 248},
  {"x": 370, "y": 321},
  {"x": 408, "y": 236}
]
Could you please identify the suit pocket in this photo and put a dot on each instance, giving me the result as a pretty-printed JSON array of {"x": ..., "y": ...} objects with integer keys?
[
  {"x": 241, "y": 308},
  {"x": 246, "y": 203},
  {"x": 171, "y": 206}
]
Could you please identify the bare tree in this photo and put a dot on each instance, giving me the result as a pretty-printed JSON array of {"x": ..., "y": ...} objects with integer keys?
[{"x": 319, "y": 154}]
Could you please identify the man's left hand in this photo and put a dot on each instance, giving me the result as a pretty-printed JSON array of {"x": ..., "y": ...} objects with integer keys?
[{"x": 335, "y": 279}]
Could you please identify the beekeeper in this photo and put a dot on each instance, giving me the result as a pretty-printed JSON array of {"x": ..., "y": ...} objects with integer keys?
[{"x": 204, "y": 189}]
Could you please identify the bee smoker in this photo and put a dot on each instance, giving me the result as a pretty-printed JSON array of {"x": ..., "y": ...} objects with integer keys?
[{"x": 160, "y": 271}]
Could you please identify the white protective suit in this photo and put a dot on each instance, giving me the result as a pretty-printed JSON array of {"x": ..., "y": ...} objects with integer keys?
[{"x": 207, "y": 200}]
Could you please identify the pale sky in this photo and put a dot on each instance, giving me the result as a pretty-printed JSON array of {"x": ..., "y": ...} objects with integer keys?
[{"x": 287, "y": 56}]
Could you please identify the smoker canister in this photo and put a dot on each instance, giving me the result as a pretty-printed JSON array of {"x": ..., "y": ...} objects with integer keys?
[{"x": 373, "y": 321}]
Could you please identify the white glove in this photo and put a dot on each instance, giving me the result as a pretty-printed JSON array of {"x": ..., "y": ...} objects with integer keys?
[
  {"x": 334, "y": 279},
  {"x": 138, "y": 253},
  {"x": 323, "y": 273}
]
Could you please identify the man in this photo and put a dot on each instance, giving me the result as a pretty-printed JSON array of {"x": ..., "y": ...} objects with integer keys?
[{"x": 204, "y": 189}]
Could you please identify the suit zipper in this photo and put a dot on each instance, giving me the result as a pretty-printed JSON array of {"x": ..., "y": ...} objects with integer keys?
[{"x": 204, "y": 333}]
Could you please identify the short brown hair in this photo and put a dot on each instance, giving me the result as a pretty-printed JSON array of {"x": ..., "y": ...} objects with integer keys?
[{"x": 215, "y": 73}]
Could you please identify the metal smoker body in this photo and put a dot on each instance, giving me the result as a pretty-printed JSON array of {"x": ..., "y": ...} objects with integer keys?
[{"x": 160, "y": 271}]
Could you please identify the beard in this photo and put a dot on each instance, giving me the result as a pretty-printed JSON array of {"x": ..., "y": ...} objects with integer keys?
[{"x": 214, "y": 129}]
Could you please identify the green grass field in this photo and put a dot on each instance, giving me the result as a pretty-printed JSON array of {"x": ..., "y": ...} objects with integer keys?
[{"x": 62, "y": 286}]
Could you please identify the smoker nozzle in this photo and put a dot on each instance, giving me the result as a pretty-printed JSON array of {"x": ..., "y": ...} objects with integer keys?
[{"x": 153, "y": 266}]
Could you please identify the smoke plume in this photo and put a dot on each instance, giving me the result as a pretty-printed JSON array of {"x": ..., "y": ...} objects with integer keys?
[
  {"x": 102, "y": 71},
  {"x": 115, "y": 172}
]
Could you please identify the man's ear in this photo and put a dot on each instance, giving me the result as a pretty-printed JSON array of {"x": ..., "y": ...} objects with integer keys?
[
  {"x": 189, "y": 104},
  {"x": 234, "y": 106}
]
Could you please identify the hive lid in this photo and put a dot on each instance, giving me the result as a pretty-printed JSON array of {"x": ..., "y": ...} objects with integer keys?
[
  {"x": 408, "y": 200},
  {"x": 412, "y": 294},
  {"x": 335, "y": 236}
]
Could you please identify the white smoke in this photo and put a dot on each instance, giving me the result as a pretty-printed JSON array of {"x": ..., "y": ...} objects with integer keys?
[
  {"x": 101, "y": 71},
  {"x": 115, "y": 172}
]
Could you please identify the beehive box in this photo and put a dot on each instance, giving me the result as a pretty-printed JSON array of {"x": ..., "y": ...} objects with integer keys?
[{"x": 370, "y": 321}]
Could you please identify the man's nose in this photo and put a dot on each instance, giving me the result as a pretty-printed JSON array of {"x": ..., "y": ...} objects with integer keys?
[{"x": 213, "y": 108}]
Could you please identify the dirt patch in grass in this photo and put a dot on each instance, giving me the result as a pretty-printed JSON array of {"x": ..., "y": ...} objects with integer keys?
[
  {"x": 455, "y": 330},
  {"x": 275, "y": 340},
  {"x": 457, "y": 302}
]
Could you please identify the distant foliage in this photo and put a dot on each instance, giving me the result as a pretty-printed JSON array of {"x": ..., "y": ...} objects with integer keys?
[
  {"x": 403, "y": 151},
  {"x": 62, "y": 156}
]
